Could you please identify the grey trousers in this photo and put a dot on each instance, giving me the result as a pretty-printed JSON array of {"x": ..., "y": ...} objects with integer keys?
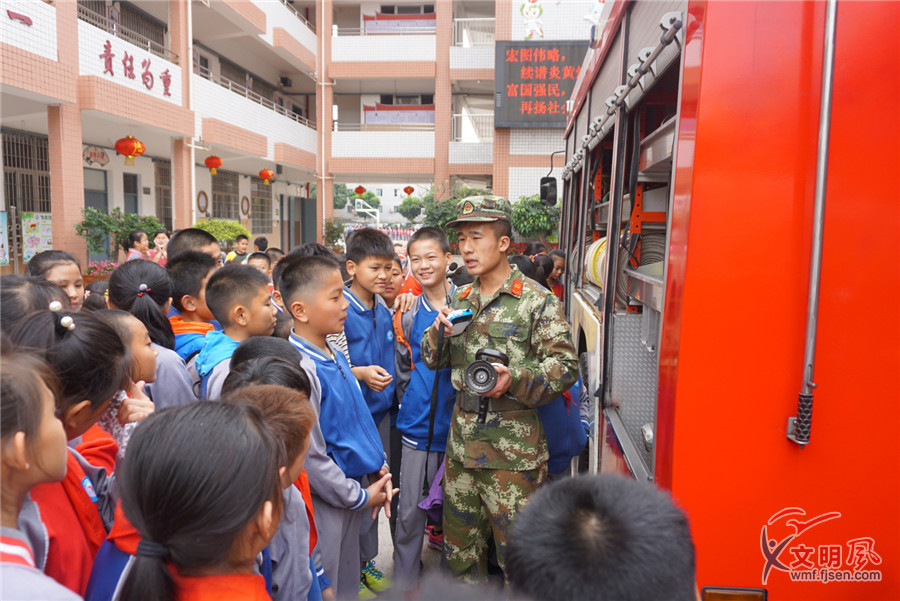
[
  {"x": 338, "y": 531},
  {"x": 411, "y": 519},
  {"x": 368, "y": 528}
]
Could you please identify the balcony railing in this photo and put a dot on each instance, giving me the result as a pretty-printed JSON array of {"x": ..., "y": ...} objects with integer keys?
[
  {"x": 383, "y": 126},
  {"x": 472, "y": 128},
  {"x": 107, "y": 24},
  {"x": 361, "y": 31},
  {"x": 303, "y": 19},
  {"x": 473, "y": 32},
  {"x": 249, "y": 94}
]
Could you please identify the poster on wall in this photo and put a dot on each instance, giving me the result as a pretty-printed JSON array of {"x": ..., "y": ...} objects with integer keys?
[
  {"x": 37, "y": 234},
  {"x": 4, "y": 238},
  {"x": 533, "y": 80}
]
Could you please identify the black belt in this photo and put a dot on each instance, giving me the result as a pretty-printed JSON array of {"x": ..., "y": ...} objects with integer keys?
[{"x": 469, "y": 403}]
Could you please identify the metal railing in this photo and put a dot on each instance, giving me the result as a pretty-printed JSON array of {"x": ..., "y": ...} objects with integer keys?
[
  {"x": 473, "y": 32},
  {"x": 297, "y": 14},
  {"x": 383, "y": 126},
  {"x": 120, "y": 31},
  {"x": 361, "y": 31},
  {"x": 472, "y": 128},
  {"x": 249, "y": 94}
]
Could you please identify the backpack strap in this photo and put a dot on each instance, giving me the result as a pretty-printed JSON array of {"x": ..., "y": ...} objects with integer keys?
[{"x": 400, "y": 337}]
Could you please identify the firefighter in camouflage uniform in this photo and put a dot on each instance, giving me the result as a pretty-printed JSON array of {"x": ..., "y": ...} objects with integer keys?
[{"x": 492, "y": 468}]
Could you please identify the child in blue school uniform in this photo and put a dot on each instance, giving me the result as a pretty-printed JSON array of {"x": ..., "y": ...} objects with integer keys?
[
  {"x": 239, "y": 298},
  {"x": 370, "y": 346},
  {"x": 350, "y": 448},
  {"x": 189, "y": 272},
  {"x": 423, "y": 441}
]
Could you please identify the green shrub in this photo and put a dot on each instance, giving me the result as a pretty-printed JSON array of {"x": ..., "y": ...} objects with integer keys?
[
  {"x": 532, "y": 219},
  {"x": 96, "y": 227},
  {"x": 224, "y": 231}
]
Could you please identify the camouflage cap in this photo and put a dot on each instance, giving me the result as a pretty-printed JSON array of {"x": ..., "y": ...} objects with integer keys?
[{"x": 482, "y": 208}]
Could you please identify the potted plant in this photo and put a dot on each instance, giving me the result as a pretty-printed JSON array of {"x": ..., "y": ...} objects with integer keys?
[{"x": 98, "y": 270}]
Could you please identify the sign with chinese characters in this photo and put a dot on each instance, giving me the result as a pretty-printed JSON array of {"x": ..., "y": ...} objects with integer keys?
[
  {"x": 109, "y": 57},
  {"x": 533, "y": 80},
  {"x": 95, "y": 154},
  {"x": 37, "y": 234}
]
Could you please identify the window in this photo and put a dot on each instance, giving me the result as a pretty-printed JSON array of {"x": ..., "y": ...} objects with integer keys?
[
  {"x": 396, "y": 193},
  {"x": 378, "y": 192},
  {"x": 225, "y": 196},
  {"x": 260, "y": 206},
  {"x": 26, "y": 171},
  {"x": 164, "y": 192}
]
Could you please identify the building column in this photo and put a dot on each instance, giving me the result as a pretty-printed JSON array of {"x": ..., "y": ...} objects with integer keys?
[
  {"x": 66, "y": 177},
  {"x": 501, "y": 162},
  {"x": 324, "y": 101},
  {"x": 443, "y": 100},
  {"x": 183, "y": 185},
  {"x": 503, "y": 15}
]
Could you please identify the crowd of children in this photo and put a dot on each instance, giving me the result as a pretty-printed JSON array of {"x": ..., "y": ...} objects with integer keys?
[{"x": 119, "y": 484}]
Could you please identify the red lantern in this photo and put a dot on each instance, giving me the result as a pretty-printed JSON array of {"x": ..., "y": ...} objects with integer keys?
[
  {"x": 130, "y": 147},
  {"x": 409, "y": 190},
  {"x": 359, "y": 190},
  {"x": 213, "y": 162},
  {"x": 266, "y": 175}
]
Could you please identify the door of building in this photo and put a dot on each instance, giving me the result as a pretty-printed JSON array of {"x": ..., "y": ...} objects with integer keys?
[
  {"x": 308, "y": 219},
  {"x": 97, "y": 197}
]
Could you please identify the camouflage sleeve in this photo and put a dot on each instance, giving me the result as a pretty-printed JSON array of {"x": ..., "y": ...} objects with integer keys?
[
  {"x": 429, "y": 349},
  {"x": 554, "y": 369}
]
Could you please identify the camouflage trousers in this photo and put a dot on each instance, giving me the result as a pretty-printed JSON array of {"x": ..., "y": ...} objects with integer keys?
[{"x": 479, "y": 504}]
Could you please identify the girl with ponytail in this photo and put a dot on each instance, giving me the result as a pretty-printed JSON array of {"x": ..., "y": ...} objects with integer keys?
[
  {"x": 143, "y": 289},
  {"x": 67, "y": 521},
  {"x": 202, "y": 520}
]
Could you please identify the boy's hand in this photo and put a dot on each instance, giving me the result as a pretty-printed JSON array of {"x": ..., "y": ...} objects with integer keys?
[
  {"x": 378, "y": 494},
  {"x": 404, "y": 302},
  {"x": 442, "y": 319},
  {"x": 137, "y": 405},
  {"x": 328, "y": 594},
  {"x": 374, "y": 376}
]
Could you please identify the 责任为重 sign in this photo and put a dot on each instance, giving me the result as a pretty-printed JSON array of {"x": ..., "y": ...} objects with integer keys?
[{"x": 533, "y": 80}]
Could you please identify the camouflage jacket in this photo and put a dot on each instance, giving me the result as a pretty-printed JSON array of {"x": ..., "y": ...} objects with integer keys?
[{"x": 525, "y": 321}]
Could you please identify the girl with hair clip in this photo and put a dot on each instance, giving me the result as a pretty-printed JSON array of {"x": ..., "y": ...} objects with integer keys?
[
  {"x": 62, "y": 269},
  {"x": 202, "y": 520},
  {"x": 287, "y": 411},
  {"x": 32, "y": 451},
  {"x": 20, "y": 296},
  {"x": 144, "y": 290},
  {"x": 67, "y": 521}
]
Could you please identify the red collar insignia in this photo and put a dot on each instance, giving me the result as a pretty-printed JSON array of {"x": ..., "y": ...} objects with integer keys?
[{"x": 517, "y": 288}]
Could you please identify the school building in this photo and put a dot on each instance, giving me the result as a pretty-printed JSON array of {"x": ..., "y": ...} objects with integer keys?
[{"x": 315, "y": 92}]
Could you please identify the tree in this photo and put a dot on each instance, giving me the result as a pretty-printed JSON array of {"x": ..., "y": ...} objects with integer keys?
[
  {"x": 410, "y": 208},
  {"x": 98, "y": 226},
  {"x": 340, "y": 195},
  {"x": 437, "y": 213},
  {"x": 370, "y": 198},
  {"x": 532, "y": 219}
]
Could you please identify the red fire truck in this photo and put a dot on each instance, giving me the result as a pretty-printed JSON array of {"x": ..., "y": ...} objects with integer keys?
[{"x": 731, "y": 216}]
